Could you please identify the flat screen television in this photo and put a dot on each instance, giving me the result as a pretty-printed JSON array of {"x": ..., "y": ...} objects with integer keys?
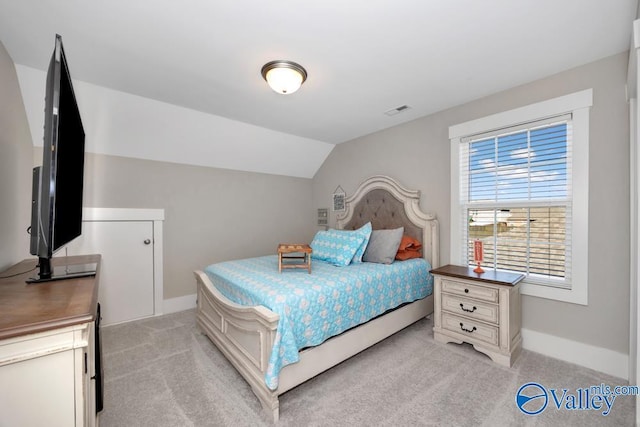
[{"x": 56, "y": 211}]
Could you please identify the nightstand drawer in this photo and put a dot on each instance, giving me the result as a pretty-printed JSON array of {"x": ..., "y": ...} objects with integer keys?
[
  {"x": 470, "y": 329},
  {"x": 470, "y": 308},
  {"x": 470, "y": 291}
]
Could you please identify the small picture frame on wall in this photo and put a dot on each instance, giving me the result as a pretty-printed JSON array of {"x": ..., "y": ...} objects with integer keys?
[
  {"x": 338, "y": 201},
  {"x": 323, "y": 217}
]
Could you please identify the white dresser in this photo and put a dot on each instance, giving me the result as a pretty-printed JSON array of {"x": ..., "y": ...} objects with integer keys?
[
  {"x": 49, "y": 367},
  {"x": 480, "y": 309}
]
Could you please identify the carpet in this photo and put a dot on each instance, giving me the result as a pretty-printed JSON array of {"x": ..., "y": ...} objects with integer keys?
[{"x": 162, "y": 371}]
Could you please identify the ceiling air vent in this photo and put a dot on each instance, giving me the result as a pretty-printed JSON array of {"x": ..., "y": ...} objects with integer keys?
[{"x": 397, "y": 110}]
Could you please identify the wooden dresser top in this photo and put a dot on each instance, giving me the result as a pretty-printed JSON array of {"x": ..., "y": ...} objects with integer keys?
[
  {"x": 489, "y": 276},
  {"x": 31, "y": 308}
]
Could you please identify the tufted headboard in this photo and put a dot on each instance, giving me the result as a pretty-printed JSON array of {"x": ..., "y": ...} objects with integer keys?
[{"x": 384, "y": 202}]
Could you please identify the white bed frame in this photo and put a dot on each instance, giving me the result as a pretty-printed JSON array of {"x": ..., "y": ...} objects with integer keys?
[{"x": 245, "y": 334}]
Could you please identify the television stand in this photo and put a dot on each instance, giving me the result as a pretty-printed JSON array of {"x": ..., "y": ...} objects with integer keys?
[
  {"x": 61, "y": 272},
  {"x": 50, "y": 367}
]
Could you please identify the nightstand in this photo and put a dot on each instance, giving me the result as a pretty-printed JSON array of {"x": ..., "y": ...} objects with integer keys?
[{"x": 480, "y": 309}]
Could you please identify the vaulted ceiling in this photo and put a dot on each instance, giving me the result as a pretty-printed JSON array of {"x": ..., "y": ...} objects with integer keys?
[{"x": 364, "y": 57}]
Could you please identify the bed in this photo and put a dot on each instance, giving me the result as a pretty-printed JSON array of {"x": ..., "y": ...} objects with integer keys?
[{"x": 248, "y": 334}]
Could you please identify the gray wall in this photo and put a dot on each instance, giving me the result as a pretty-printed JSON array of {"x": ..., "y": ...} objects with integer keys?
[
  {"x": 217, "y": 214},
  {"x": 15, "y": 167},
  {"x": 211, "y": 214},
  {"x": 417, "y": 154}
]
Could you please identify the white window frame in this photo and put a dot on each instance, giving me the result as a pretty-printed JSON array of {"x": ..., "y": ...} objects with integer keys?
[{"x": 578, "y": 104}]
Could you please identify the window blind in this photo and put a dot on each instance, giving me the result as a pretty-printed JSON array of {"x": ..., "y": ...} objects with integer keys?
[{"x": 515, "y": 194}]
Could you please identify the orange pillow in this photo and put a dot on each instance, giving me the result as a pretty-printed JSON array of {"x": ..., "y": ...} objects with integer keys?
[
  {"x": 409, "y": 248},
  {"x": 405, "y": 255},
  {"x": 409, "y": 243}
]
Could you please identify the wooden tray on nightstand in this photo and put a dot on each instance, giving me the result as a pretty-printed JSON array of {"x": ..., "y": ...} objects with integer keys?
[{"x": 294, "y": 255}]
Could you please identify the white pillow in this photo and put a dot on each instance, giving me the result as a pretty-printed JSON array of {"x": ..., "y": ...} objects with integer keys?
[{"x": 366, "y": 232}]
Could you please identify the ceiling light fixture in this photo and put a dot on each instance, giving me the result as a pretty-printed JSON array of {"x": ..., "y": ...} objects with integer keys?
[{"x": 284, "y": 77}]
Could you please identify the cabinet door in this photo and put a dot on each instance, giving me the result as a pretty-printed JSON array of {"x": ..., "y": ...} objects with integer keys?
[
  {"x": 38, "y": 391},
  {"x": 126, "y": 276}
]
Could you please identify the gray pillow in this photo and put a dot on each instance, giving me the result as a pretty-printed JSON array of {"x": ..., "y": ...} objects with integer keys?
[{"x": 383, "y": 246}]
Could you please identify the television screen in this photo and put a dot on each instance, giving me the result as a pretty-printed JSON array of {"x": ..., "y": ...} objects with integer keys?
[
  {"x": 56, "y": 216},
  {"x": 68, "y": 150}
]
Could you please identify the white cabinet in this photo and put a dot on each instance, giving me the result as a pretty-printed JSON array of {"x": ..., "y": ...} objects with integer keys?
[
  {"x": 49, "y": 384},
  {"x": 48, "y": 372},
  {"x": 130, "y": 241}
]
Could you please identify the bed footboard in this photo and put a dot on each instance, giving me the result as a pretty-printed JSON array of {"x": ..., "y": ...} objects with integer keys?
[{"x": 243, "y": 334}]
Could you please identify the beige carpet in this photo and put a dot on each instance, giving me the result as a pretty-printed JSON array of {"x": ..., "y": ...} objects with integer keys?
[{"x": 163, "y": 372}]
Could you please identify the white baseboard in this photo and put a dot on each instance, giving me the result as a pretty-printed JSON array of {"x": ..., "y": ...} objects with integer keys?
[
  {"x": 597, "y": 358},
  {"x": 173, "y": 305}
]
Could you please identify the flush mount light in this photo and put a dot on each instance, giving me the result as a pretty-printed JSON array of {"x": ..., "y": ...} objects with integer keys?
[{"x": 284, "y": 77}]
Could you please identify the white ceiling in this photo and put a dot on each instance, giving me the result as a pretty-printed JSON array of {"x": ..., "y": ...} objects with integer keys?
[{"x": 363, "y": 57}]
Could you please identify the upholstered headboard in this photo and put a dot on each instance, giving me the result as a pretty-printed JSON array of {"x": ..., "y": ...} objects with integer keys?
[{"x": 384, "y": 202}]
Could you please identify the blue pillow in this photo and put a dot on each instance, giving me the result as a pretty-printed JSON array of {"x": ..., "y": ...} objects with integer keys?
[
  {"x": 336, "y": 246},
  {"x": 365, "y": 230}
]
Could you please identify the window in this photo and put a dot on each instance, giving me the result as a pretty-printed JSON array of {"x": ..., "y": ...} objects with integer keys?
[
  {"x": 520, "y": 185},
  {"x": 515, "y": 194}
]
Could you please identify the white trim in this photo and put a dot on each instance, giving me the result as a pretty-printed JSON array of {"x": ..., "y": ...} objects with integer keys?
[
  {"x": 456, "y": 206},
  {"x": 552, "y": 107},
  {"x": 632, "y": 68},
  {"x": 600, "y": 359},
  {"x": 578, "y": 104},
  {"x": 158, "y": 267},
  {"x": 122, "y": 214},
  {"x": 634, "y": 231},
  {"x": 173, "y": 305},
  {"x": 633, "y": 242}
]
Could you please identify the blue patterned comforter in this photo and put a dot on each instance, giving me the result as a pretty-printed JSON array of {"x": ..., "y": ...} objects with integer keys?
[{"x": 314, "y": 307}]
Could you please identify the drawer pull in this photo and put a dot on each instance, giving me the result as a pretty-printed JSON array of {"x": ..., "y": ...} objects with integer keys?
[
  {"x": 467, "y": 310},
  {"x": 466, "y": 291},
  {"x": 467, "y": 330}
]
